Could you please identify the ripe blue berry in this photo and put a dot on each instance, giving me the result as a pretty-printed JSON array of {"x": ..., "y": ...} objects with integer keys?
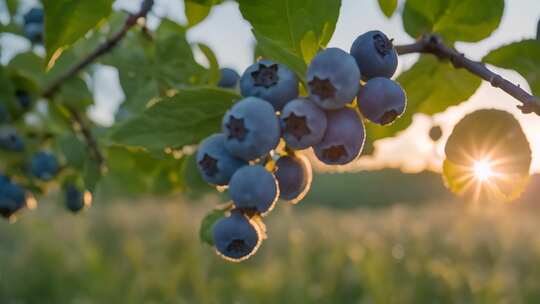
[
  {"x": 44, "y": 166},
  {"x": 251, "y": 128},
  {"x": 270, "y": 81},
  {"x": 24, "y": 99},
  {"x": 254, "y": 188},
  {"x": 228, "y": 79},
  {"x": 12, "y": 199},
  {"x": 10, "y": 140},
  {"x": 236, "y": 238},
  {"x": 375, "y": 55},
  {"x": 35, "y": 15},
  {"x": 294, "y": 177},
  {"x": 34, "y": 32},
  {"x": 75, "y": 199},
  {"x": 302, "y": 123},
  {"x": 343, "y": 140},
  {"x": 215, "y": 162},
  {"x": 382, "y": 100},
  {"x": 333, "y": 79}
]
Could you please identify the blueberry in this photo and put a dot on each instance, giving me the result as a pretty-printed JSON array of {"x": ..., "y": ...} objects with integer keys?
[
  {"x": 12, "y": 199},
  {"x": 294, "y": 177},
  {"x": 343, "y": 139},
  {"x": 333, "y": 79},
  {"x": 236, "y": 238},
  {"x": 375, "y": 55},
  {"x": 254, "y": 188},
  {"x": 10, "y": 140},
  {"x": 35, "y": 15},
  {"x": 24, "y": 99},
  {"x": 382, "y": 100},
  {"x": 34, "y": 32},
  {"x": 270, "y": 81},
  {"x": 75, "y": 199},
  {"x": 44, "y": 166},
  {"x": 251, "y": 128},
  {"x": 215, "y": 162},
  {"x": 303, "y": 124},
  {"x": 229, "y": 78}
]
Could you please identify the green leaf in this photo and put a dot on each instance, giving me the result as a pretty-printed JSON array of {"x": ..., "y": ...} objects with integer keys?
[
  {"x": 270, "y": 50},
  {"x": 75, "y": 94},
  {"x": 7, "y": 92},
  {"x": 388, "y": 7},
  {"x": 30, "y": 66},
  {"x": 73, "y": 150},
  {"x": 431, "y": 87},
  {"x": 213, "y": 70},
  {"x": 68, "y": 21},
  {"x": 207, "y": 224},
  {"x": 192, "y": 177},
  {"x": 523, "y": 57},
  {"x": 91, "y": 174},
  {"x": 12, "y": 6},
  {"x": 136, "y": 73},
  {"x": 183, "y": 119},
  {"x": 175, "y": 65},
  {"x": 455, "y": 20},
  {"x": 196, "y": 12},
  {"x": 287, "y": 22}
]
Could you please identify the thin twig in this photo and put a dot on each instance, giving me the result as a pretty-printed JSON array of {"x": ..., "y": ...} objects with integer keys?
[
  {"x": 433, "y": 44},
  {"x": 102, "y": 49}
]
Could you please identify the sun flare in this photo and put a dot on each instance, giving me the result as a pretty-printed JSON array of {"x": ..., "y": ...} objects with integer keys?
[{"x": 482, "y": 170}]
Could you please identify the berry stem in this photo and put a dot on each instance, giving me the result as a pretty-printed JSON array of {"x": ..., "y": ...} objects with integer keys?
[
  {"x": 433, "y": 44},
  {"x": 102, "y": 49}
]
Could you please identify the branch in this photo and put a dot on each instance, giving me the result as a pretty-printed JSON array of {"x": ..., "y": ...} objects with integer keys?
[
  {"x": 102, "y": 49},
  {"x": 433, "y": 44}
]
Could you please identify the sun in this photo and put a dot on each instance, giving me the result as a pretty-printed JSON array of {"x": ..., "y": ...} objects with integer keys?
[{"x": 482, "y": 170}]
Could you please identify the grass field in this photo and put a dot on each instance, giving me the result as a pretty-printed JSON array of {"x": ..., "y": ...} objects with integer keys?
[{"x": 148, "y": 252}]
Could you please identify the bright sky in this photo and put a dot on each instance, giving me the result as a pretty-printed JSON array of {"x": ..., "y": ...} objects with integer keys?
[{"x": 230, "y": 38}]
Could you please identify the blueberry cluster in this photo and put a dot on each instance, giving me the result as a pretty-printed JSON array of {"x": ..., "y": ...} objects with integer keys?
[
  {"x": 41, "y": 167},
  {"x": 34, "y": 25},
  {"x": 257, "y": 153}
]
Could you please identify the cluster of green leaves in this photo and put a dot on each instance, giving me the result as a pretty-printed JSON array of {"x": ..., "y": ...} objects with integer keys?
[{"x": 171, "y": 101}]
